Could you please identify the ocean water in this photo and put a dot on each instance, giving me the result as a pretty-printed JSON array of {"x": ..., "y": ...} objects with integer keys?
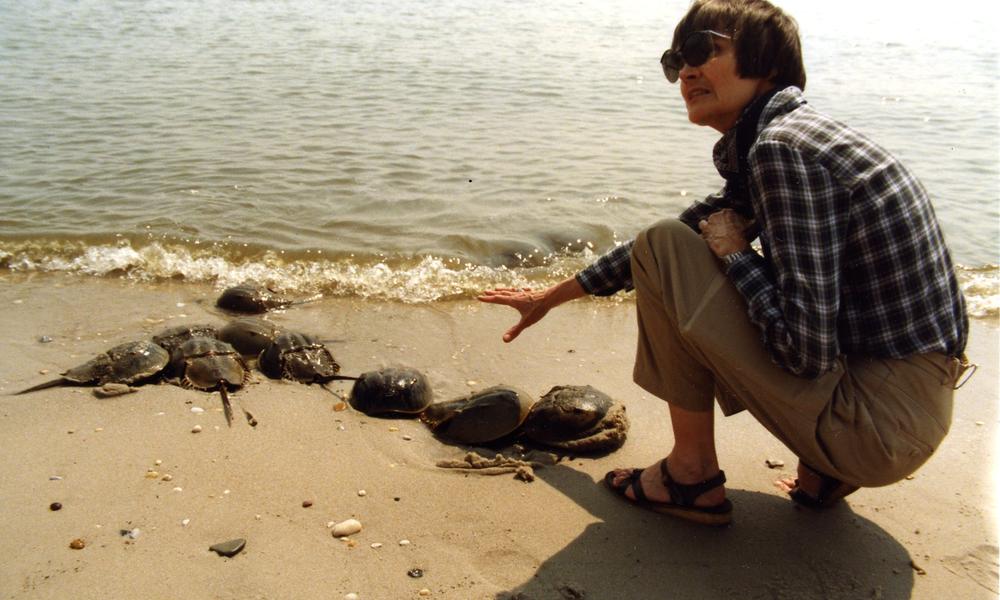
[{"x": 424, "y": 151}]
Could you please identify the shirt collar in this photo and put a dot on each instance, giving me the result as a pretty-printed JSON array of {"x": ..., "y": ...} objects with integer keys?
[{"x": 726, "y": 154}]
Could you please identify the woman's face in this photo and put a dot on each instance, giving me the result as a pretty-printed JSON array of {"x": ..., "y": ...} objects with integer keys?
[{"x": 713, "y": 93}]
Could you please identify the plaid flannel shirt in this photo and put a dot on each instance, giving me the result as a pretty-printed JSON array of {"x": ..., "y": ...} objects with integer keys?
[{"x": 854, "y": 260}]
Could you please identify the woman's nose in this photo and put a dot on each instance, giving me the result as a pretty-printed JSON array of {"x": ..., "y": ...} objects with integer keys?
[{"x": 687, "y": 72}]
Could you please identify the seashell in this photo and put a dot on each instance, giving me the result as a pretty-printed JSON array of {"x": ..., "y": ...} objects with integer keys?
[{"x": 346, "y": 528}]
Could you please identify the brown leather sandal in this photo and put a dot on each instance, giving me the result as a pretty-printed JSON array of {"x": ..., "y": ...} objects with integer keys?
[
  {"x": 682, "y": 496},
  {"x": 831, "y": 490}
]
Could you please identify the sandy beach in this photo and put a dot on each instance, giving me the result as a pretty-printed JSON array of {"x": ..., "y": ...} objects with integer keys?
[{"x": 469, "y": 536}]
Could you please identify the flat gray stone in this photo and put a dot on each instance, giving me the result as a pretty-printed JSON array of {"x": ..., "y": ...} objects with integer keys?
[{"x": 230, "y": 548}]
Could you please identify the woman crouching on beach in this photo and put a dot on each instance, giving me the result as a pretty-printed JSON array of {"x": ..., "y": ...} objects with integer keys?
[{"x": 844, "y": 337}]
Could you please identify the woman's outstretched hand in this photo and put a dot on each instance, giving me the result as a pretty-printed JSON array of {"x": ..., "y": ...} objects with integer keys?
[{"x": 531, "y": 304}]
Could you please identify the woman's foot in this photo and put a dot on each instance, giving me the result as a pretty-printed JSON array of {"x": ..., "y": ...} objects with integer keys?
[
  {"x": 814, "y": 489},
  {"x": 653, "y": 486}
]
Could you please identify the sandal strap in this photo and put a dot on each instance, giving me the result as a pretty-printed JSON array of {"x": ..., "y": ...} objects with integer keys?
[
  {"x": 636, "y": 485},
  {"x": 685, "y": 494}
]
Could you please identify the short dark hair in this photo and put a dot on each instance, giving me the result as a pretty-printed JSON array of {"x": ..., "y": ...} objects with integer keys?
[{"x": 765, "y": 39}]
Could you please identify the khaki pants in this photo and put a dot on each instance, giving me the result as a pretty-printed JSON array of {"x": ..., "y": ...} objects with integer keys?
[{"x": 869, "y": 422}]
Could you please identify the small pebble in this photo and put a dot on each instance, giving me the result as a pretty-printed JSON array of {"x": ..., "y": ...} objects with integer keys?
[
  {"x": 909, "y": 477},
  {"x": 415, "y": 573},
  {"x": 376, "y": 545},
  {"x": 131, "y": 534},
  {"x": 152, "y": 474},
  {"x": 351, "y": 596},
  {"x": 98, "y": 429},
  {"x": 257, "y": 517},
  {"x": 394, "y": 429},
  {"x": 178, "y": 489},
  {"x": 424, "y": 592},
  {"x": 230, "y": 548},
  {"x": 196, "y": 429},
  {"x": 773, "y": 463},
  {"x": 346, "y": 528},
  {"x": 45, "y": 339},
  {"x": 43, "y": 371},
  {"x": 341, "y": 428},
  {"x": 168, "y": 477},
  {"x": 157, "y": 462},
  {"x": 407, "y": 438},
  {"x": 77, "y": 544},
  {"x": 306, "y": 503},
  {"x": 362, "y": 493},
  {"x": 55, "y": 478},
  {"x": 197, "y": 410},
  {"x": 980, "y": 423},
  {"x": 404, "y": 542},
  {"x": 55, "y": 506},
  {"x": 185, "y": 522},
  {"x": 471, "y": 382}
]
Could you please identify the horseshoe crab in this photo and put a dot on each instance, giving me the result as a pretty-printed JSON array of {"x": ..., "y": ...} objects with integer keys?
[
  {"x": 128, "y": 363},
  {"x": 251, "y": 298},
  {"x": 577, "y": 418},
  {"x": 395, "y": 390},
  {"x": 172, "y": 337},
  {"x": 481, "y": 417},
  {"x": 298, "y": 357},
  {"x": 249, "y": 335},
  {"x": 208, "y": 364}
]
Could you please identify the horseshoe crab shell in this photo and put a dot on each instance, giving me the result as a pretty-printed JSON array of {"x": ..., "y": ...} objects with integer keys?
[
  {"x": 577, "y": 419},
  {"x": 565, "y": 412},
  {"x": 249, "y": 335},
  {"x": 172, "y": 337},
  {"x": 298, "y": 357},
  {"x": 128, "y": 363},
  {"x": 394, "y": 390},
  {"x": 481, "y": 417},
  {"x": 251, "y": 298},
  {"x": 208, "y": 364}
]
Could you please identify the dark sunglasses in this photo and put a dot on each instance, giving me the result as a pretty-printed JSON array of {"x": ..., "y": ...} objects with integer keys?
[{"x": 695, "y": 50}]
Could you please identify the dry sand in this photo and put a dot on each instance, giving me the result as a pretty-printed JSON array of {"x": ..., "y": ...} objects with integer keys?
[{"x": 561, "y": 536}]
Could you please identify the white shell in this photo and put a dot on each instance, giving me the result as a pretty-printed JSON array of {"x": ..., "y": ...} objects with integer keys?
[{"x": 345, "y": 528}]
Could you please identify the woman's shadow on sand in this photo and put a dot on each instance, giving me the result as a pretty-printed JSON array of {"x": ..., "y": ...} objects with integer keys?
[{"x": 772, "y": 550}]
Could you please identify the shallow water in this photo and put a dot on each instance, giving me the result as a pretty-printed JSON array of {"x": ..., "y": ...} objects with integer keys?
[{"x": 390, "y": 150}]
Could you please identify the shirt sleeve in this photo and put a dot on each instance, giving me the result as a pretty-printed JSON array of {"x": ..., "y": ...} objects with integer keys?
[
  {"x": 610, "y": 273},
  {"x": 793, "y": 294}
]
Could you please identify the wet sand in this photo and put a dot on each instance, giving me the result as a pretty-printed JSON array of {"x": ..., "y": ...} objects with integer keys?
[{"x": 471, "y": 536}]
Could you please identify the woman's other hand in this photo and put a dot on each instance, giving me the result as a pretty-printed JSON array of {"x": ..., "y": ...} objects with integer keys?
[
  {"x": 532, "y": 304},
  {"x": 725, "y": 232}
]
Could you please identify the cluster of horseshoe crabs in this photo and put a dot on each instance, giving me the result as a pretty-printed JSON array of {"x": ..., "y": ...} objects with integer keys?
[
  {"x": 208, "y": 358},
  {"x": 577, "y": 419}
]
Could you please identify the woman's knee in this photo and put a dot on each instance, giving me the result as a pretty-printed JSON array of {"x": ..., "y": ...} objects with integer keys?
[{"x": 667, "y": 232}]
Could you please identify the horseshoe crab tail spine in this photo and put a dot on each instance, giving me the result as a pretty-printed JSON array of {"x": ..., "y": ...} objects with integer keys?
[
  {"x": 227, "y": 408},
  {"x": 42, "y": 386},
  {"x": 344, "y": 377}
]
